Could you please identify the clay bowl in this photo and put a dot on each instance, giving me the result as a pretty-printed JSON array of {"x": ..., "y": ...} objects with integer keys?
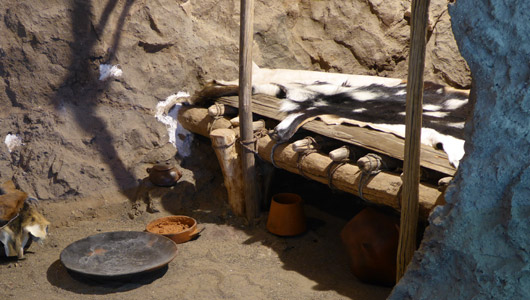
[{"x": 180, "y": 229}]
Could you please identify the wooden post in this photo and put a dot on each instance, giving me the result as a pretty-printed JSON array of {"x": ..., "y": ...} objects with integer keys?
[
  {"x": 224, "y": 144},
  {"x": 413, "y": 124},
  {"x": 245, "y": 111}
]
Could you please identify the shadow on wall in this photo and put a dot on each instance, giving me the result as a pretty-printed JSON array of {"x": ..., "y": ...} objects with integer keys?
[{"x": 80, "y": 89}]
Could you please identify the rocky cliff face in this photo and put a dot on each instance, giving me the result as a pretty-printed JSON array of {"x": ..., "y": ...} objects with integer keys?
[
  {"x": 83, "y": 135},
  {"x": 477, "y": 246}
]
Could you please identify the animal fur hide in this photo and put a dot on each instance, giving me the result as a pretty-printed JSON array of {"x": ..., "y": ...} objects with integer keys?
[
  {"x": 20, "y": 221},
  {"x": 371, "y": 101}
]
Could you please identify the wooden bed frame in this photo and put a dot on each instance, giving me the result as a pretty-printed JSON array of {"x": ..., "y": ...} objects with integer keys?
[{"x": 383, "y": 188}]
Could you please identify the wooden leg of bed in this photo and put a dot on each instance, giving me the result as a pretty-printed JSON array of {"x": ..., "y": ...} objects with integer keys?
[{"x": 224, "y": 144}]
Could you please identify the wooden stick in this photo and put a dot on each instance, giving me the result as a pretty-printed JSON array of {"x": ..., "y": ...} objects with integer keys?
[
  {"x": 258, "y": 125},
  {"x": 370, "y": 163},
  {"x": 443, "y": 183},
  {"x": 340, "y": 154},
  {"x": 197, "y": 120},
  {"x": 304, "y": 145},
  {"x": 235, "y": 121},
  {"x": 245, "y": 110},
  {"x": 413, "y": 120},
  {"x": 219, "y": 110}
]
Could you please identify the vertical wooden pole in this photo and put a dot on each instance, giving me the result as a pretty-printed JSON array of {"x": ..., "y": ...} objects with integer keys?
[
  {"x": 245, "y": 109},
  {"x": 413, "y": 124}
]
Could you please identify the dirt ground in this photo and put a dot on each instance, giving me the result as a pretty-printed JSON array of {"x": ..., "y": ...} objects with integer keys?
[{"x": 229, "y": 260}]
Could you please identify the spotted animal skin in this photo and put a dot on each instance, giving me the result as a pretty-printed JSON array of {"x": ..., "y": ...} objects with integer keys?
[
  {"x": 376, "y": 102},
  {"x": 380, "y": 107}
]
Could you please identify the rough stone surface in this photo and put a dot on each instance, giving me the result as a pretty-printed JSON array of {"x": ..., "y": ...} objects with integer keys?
[
  {"x": 83, "y": 135},
  {"x": 477, "y": 246}
]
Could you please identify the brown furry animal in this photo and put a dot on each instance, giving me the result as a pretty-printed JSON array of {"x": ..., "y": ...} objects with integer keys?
[
  {"x": 25, "y": 226},
  {"x": 11, "y": 201}
]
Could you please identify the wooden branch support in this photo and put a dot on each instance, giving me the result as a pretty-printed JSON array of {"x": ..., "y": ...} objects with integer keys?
[
  {"x": 220, "y": 110},
  {"x": 340, "y": 154},
  {"x": 234, "y": 121},
  {"x": 370, "y": 163},
  {"x": 224, "y": 144},
  {"x": 315, "y": 143},
  {"x": 413, "y": 124},
  {"x": 198, "y": 120},
  {"x": 245, "y": 110},
  {"x": 383, "y": 188},
  {"x": 443, "y": 183},
  {"x": 304, "y": 145}
]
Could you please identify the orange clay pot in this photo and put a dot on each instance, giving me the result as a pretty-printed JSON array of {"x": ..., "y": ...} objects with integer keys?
[
  {"x": 371, "y": 240},
  {"x": 178, "y": 228},
  {"x": 286, "y": 215}
]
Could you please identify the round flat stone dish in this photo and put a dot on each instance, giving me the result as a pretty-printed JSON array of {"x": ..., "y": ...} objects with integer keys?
[{"x": 119, "y": 254}]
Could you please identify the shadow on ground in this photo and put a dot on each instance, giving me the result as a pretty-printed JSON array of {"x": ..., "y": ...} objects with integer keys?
[
  {"x": 60, "y": 277},
  {"x": 318, "y": 254}
]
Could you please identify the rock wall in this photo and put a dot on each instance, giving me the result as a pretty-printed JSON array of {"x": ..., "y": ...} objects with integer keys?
[
  {"x": 82, "y": 135},
  {"x": 477, "y": 246}
]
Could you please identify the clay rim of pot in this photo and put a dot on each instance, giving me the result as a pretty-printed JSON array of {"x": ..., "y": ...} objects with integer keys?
[
  {"x": 162, "y": 167},
  {"x": 286, "y": 215},
  {"x": 287, "y": 199}
]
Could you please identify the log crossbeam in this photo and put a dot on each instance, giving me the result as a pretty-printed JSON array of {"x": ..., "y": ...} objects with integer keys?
[{"x": 383, "y": 188}]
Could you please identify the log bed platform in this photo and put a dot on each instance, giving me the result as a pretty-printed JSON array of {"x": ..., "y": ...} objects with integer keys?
[
  {"x": 383, "y": 188},
  {"x": 373, "y": 140}
]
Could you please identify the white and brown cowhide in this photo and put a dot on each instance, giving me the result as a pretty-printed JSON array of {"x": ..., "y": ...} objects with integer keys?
[{"x": 376, "y": 102}]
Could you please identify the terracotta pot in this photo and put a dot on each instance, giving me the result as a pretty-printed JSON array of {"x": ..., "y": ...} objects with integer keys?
[
  {"x": 286, "y": 215},
  {"x": 179, "y": 234},
  {"x": 371, "y": 239},
  {"x": 164, "y": 174}
]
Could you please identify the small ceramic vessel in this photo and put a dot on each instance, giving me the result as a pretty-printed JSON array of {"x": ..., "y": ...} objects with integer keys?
[
  {"x": 286, "y": 215},
  {"x": 164, "y": 174}
]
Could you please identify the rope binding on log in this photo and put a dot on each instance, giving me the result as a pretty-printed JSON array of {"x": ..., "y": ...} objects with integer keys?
[
  {"x": 257, "y": 135},
  {"x": 339, "y": 157},
  {"x": 303, "y": 154},
  {"x": 371, "y": 164},
  {"x": 272, "y": 153},
  {"x": 245, "y": 144},
  {"x": 334, "y": 166},
  {"x": 216, "y": 110},
  {"x": 211, "y": 124}
]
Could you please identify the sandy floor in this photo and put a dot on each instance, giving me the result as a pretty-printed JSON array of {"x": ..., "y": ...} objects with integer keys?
[{"x": 228, "y": 261}]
